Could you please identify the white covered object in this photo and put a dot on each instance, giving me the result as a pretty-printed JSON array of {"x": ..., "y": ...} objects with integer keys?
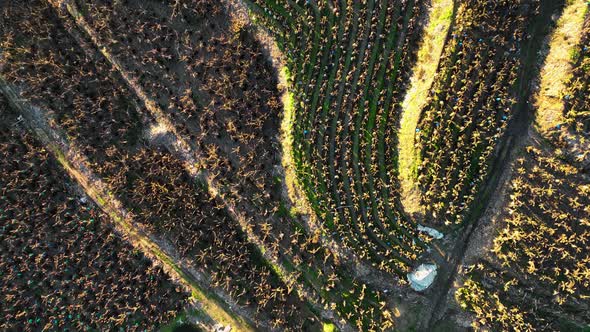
[
  {"x": 221, "y": 328},
  {"x": 430, "y": 231},
  {"x": 422, "y": 277}
]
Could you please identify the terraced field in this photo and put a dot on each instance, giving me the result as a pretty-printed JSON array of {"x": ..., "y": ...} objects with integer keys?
[
  {"x": 150, "y": 184},
  {"x": 294, "y": 165}
]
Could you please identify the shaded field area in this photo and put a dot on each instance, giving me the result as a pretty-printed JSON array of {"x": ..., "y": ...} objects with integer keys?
[{"x": 61, "y": 264}]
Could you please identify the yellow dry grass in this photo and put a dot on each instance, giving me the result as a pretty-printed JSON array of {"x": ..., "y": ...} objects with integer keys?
[{"x": 557, "y": 68}]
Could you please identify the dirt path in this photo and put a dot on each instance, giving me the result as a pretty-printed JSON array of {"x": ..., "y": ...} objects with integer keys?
[
  {"x": 212, "y": 307},
  {"x": 515, "y": 136}
]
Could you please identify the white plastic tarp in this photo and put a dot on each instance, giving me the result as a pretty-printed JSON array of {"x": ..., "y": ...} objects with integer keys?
[
  {"x": 421, "y": 278},
  {"x": 430, "y": 231}
]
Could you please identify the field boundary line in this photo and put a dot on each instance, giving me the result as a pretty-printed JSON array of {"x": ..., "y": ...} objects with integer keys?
[
  {"x": 432, "y": 46},
  {"x": 75, "y": 164},
  {"x": 189, "y": 157}
]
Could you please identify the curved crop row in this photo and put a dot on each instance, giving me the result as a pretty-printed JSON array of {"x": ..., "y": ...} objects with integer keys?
[
  {"x": 470, "y": 104},
  {"x": 348, "y": 77}
]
